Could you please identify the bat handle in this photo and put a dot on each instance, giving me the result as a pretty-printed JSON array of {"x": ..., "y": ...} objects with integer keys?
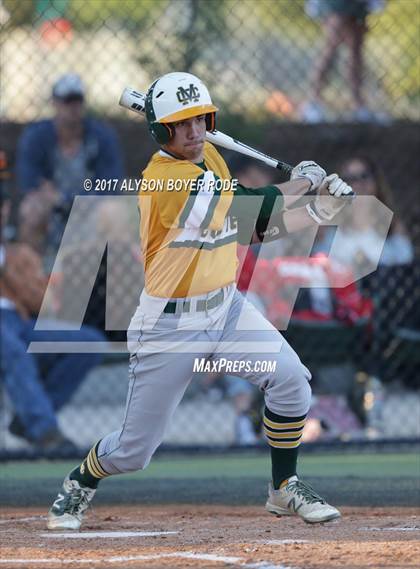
[{"x": 284, "y": 167}]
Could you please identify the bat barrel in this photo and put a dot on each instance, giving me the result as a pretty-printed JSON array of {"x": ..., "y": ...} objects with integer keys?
[{"x": 133, "y": 100}]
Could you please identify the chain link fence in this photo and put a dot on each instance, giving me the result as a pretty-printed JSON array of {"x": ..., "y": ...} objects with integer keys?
[
  {"x": 330, "y": 80},
  {"x": 259, "y": 58}
]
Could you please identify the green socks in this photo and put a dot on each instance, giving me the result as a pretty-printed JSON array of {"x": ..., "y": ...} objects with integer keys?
[
  {"x": 83, "y": 476},
  {"x": 283, "y": 435},
  {"x": 90, "y": 472}
]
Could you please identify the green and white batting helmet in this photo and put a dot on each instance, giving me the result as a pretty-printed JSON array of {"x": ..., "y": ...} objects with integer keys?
[{"x": 176, "y": 97}]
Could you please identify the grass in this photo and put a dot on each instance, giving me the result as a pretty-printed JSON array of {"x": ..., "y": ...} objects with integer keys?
[{"x": 247, "y": 465}]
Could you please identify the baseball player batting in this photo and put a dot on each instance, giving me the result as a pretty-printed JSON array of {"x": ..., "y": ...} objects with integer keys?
[{"x": 190, "y": 307}]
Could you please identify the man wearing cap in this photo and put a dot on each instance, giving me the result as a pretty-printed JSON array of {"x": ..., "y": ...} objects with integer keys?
[{"x": 55, "y": 156}]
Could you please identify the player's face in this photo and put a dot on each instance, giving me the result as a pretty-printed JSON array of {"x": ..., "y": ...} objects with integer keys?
[{"x": 188, "y": 142}]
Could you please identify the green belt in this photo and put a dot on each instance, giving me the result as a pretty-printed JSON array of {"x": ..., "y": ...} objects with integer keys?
[{"x": 202, "y": 305}]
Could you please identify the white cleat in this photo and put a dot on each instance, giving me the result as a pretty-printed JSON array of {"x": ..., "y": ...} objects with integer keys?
[
  {"x": 295, "y": 497},
  {"x": 65, "y": 521},
  {"x": 70, "y": 505}
]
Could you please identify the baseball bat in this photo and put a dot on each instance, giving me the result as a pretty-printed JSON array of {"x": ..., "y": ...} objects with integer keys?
[{"x": 135, "y": 101}]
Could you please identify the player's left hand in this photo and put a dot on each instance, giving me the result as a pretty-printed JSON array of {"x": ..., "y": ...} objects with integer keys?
[
  {"x": 337, "y": 187},
  {"x": 333, "y": 195},
  {"x": 311, "y": 171}
]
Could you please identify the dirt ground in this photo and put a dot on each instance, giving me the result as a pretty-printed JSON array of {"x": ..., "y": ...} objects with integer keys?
[{"x": 213, "y": 536}]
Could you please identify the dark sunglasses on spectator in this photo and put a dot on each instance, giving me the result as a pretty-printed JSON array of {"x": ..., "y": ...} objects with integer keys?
[
  {"x": 362, "y": 176},
  {"x": 71, "y": 99}
]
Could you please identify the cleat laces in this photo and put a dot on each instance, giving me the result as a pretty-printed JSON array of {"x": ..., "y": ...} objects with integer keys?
[
  {"x": 75, "y": 501},
  {"x": 305, "y": 492}
]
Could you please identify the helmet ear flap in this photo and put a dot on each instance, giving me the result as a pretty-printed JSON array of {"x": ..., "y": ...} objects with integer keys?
[
  {"x": 161, "y": 132},
  {"x": 210, "y": 121}
]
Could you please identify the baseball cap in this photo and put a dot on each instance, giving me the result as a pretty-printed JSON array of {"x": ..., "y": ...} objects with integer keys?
[{"x": 69, "y": 86}]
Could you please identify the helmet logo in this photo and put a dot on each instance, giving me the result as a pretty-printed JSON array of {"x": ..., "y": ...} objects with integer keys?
[{"x": 189, "y": 95}]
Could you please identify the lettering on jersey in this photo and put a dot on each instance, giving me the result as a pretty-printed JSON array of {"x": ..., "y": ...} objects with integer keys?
[
  {"x": 189, "y": 95},
  {"x": 208, "y": 239}
]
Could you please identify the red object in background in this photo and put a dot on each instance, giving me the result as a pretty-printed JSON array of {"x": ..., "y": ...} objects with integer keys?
[
  {"x": 3, "y": 160},
  {"x": 56, "y": 31},
  {"x": 247, "y": 268},
  {"x": 275, "y": 281}
]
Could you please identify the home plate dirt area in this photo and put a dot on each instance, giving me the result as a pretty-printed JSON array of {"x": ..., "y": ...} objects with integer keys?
[{"x": 212, "y": 536}]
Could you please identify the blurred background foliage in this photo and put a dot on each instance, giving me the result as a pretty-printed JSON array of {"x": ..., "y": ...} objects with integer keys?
[
  {"x": 256, "y": 56},
  {"x": 396, "y": 35}
]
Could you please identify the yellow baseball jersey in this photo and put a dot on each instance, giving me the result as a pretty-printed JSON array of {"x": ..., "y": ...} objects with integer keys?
[{"x": 188, "y": 239}]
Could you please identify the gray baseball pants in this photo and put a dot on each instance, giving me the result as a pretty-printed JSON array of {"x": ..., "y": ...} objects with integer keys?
[{"x": 162, "y": 350}]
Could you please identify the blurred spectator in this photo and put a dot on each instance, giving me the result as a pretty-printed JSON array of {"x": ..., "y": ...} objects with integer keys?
[
  {"x": 394, "y": 276},
  {"x": 343, "y": 22},
  {"x": 242, "y": 394},
  {"x": 5, "y": 200},
  {"x": 114, "y": 298},
  {"x": 55, "y": 156},
  {"x": 359, "y": 238},
  {"x": 38, "y": 385}
]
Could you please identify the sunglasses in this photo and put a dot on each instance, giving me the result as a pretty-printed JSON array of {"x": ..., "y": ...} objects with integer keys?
[
  {"x": 71, "y": 99},
  {"x": 362, "y": 176}
]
